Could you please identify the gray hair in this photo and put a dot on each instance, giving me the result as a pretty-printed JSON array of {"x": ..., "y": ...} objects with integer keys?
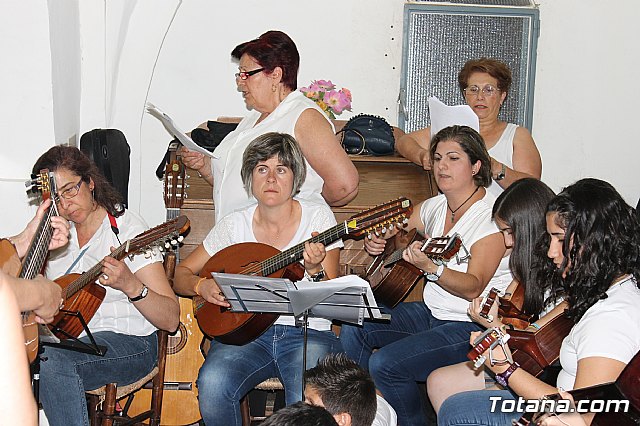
[{"x": 282, "y": 145}]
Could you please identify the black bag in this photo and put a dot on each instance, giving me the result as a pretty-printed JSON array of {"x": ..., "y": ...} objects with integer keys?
[
  {"x": 208, "y": 139},
  {"x": 368, "y": 135},
  {"x": 108, "y": 148}
]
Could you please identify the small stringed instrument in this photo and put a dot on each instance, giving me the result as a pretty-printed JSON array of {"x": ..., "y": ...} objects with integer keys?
[
  {"x": 509, "y": 308},
  {"x": 392, "y": 278},
  {"x": 264, "y": 260},
  {"x": 80, "y": 291},
  {"x": 625, "y": 388},
  {"x": 184, "y": 357},
  {"x": 533, "y": 351},
  {"x": 35, "y": 257},
  {"x": 536, "y": 351}
]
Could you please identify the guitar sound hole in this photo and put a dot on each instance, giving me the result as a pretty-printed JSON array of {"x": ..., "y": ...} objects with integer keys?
[{"x": 178, "y": 340}]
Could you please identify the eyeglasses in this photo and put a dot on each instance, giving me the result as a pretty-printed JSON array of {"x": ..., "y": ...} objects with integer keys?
[
  {"x": 243, "y": 75},
  {"x": 487, "y": 91},
  {"x": 69, "y": 193}
]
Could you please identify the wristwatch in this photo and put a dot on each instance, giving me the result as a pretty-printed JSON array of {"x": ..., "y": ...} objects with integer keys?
[
  {"x": 435, "y": 276},
  {"x": 503, "y": 378},
  {"x": 318, "y": 276},
  {"x": 142, "y": 295},
  {"x": 502, "y": 172}
]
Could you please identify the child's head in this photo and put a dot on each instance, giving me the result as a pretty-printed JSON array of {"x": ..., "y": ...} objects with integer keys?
[{"x": 342, "y": 387}]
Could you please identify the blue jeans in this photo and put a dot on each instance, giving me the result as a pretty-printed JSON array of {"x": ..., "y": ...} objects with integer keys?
[
  {"x": 65, "y": 375},
  {"x": 474, "y": 409},
  {"x": 411, "y": 346},
  {"x": 230, "y": 371}
]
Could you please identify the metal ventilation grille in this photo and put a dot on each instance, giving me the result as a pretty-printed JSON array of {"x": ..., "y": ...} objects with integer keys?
[
  {"x": 521, "y": 3},
  {"x": 439, "y": 40}
]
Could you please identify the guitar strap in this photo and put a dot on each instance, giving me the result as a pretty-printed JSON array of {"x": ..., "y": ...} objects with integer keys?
[{"x": 114, "y": 226}]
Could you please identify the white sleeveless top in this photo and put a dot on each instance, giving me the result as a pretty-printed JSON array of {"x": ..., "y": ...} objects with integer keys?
[
  {"x": 503, "y": 152},
  {"x": 228, "y": 191},
  {"x": 473, "y": 225}
]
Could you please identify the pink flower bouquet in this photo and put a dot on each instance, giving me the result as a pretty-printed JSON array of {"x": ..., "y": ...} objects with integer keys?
[{"x": 332, "y": 101}]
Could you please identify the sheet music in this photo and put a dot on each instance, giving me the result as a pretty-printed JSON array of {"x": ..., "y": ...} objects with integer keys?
[
  {"x": 175, "y": 131},
  {"x": 348, "y": 298},
  {"x": 443, "y": 115}
]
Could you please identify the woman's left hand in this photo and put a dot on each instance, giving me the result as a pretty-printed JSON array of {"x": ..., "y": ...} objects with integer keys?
[
  {"x": 116, "y": 274},
  {"x": 314, "y": 254},
  {"x": 475, "y": 307},
  {"x": 416, "y": 257}
]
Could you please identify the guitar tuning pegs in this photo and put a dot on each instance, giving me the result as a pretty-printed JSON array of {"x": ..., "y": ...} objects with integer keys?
[
  {"x": 180, "y": 238},
  {"x": 405, "y": 221},
  {"x": 174, "y": 242},
  {"x": 147, "y": 254},
  {"x": 383, "y": 230},
  {"x": 369, "y": 235},
  {"x": 167, "y": 245},
  {"x": 161, "y": 248}
]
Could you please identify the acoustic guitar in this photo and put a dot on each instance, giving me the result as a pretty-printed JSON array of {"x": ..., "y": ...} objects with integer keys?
[
  {"x": 184, "y": 357},
  {"x": 35, "y": 257},
  {"x": 533, "y": 351},
  {"x": 509, "y": 308},
  {"x": 392, "y": 278},
  {"x": 625, "y": 388},
  {"x": 264, "y": 260},
  {"x": 81, "y": 293}
]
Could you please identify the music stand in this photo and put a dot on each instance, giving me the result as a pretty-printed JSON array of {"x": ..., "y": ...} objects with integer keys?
[{"x": 348, "y": 299}]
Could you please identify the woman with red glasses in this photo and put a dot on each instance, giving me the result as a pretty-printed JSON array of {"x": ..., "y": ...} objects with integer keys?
[
  {"x": 267, "y": 79},
  {"x": 485, "y": 84}
]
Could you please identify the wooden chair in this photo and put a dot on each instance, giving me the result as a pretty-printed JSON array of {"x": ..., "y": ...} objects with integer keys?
[
  {"x": 102, "y": 401},
  {"x": 272, "y": 385}
]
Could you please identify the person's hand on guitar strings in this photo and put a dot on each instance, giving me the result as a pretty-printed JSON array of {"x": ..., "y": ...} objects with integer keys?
[
  {"x": 51, "y": 302},
  {"x": 60, "y": 227},
  {"x": 209, "y": 290},
  {"x": 414, "y": 255},
  {"x": 314, "y": 254},
  {"x": 476, "y": 306},
  {"x": 564, "y": 419},
  {"x": 116, "y": 274}
]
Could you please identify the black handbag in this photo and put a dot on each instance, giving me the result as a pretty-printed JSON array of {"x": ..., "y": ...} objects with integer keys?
[{"x": 367, "y": 135}]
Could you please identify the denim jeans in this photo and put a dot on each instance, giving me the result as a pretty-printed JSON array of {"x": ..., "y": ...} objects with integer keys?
[
  {"x": 230, "y": 372},
  {"x": 410, "y": 347},
  {"x": 474, "y": 409},
  {"x": 65, "y": 375}
]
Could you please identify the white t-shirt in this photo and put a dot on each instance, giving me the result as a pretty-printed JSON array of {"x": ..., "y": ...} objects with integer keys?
[
  {"x": 502, "y": 151},
  {"x": 385, "y": 414},
  {"x": 610, "y": 329},
  {"x": 115, "y": 313},
  {"x": 237, "y": 227},
  {"x": 228, "y": 190},
  {"x": 474, "y": 225}
]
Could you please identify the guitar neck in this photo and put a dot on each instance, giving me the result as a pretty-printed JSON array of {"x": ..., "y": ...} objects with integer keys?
[
  {"x": 39, "y": 248},
  {"x": 93, "y": 273},
  {"x": 295, "y": 253},
  {"x": 173, "y": 213}
]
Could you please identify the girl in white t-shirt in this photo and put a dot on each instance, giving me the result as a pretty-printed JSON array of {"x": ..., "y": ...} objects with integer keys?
[{"x": 593, "y": 255}]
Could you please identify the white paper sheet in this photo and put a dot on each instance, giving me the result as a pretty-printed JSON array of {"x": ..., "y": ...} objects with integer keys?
[
  {"x": 175, "y": 131},
  {"x": 444, "y": 116}
]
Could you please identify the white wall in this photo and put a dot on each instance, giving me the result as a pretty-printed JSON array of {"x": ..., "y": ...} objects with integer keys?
[{"x": 585, "y": 94}]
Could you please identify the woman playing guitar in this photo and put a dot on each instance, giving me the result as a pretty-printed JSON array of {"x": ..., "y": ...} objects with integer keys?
[
  {"x": 273, "y": 171},
  {"x": 519, "y": 213},
  {"x": 429, "y": 334},
  {"x": 593, "y": 251},
  {"x": 138, "y": 298}
]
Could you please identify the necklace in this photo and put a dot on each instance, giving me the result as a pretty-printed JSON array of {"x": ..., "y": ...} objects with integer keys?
[{"x": 453, "y": 212}]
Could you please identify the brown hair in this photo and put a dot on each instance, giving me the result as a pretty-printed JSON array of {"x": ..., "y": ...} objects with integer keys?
[
  {"x": 273, "y": 49},
  {"x": 472, "y": 144},
  {"x": 495, "y": 68},
  {"x": 74, "y": 160}
]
